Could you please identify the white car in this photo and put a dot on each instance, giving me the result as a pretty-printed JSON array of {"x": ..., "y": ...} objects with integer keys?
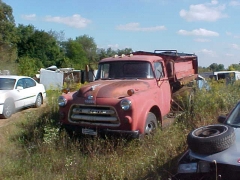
[{"x": 17, "y": 92}]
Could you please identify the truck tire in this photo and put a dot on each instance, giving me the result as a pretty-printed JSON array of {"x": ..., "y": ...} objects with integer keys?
[
  {"x": 211, "y": 139},
  {"x": 150, "y": 124},
  {"x": 8, "y": 109}
]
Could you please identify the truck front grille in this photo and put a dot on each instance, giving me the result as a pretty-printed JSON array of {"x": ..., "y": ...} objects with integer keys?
[{"x": 94, "y": 115}]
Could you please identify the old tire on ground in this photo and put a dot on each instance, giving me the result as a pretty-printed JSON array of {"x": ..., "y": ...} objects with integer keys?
[
  {"x": 8, "y": 109},
  {"x": 211, "y": 139},
  {"x": 38, "y": 101},
  {"x": 150, "y": 124}
]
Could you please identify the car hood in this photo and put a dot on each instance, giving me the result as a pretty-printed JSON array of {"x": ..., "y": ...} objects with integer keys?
[
  {"x": 229, "y": 156},
  {"x": 112, "y": 88}
]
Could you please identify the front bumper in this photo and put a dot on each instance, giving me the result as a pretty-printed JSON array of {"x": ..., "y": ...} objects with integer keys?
[{"x": 101, "y": 132}]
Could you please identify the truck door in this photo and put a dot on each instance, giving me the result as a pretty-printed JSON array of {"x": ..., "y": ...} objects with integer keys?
[{"x": 164, "y": 90}]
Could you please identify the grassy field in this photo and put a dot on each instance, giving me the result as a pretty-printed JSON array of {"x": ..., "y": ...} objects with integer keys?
[{"x": 33, "y": 148}]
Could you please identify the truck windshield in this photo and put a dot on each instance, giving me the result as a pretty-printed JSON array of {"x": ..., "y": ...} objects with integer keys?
[{"x": 125, "y": 70}]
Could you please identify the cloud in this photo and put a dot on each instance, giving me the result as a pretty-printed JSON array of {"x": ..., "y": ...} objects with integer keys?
[
  {"x": 204, "y": 12},
  {"x": 236, "y": 36},
  {"x": 198, "y": 32},
  {"x": 235, "y": 46},
  {"x": 229, "y": 55},
  {"x": 214, "y": 2},
  {"x": 136, "y": 27},
  {"x": 234, "y": 3},
  {"x": 228, "y": 33},
  {"x": 208, "y": 52},
  {"x": 29, "y": 17},
  {"x": 75, "y": 21},
  {"x": 201, "y": 40}
]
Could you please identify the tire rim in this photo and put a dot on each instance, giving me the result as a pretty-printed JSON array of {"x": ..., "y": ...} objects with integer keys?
[
  {"x": 39, "y": 101},
  {"x": 209, "y": 131},
  {"x": 150, "y": 128},
  {"x": 8, "y": 110}
]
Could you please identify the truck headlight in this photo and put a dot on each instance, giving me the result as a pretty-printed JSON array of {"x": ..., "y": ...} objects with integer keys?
[
  {"x": 62, "y": 101},
  {"x": 126, "y": 104},
  {"x": 187, "y": 168}
]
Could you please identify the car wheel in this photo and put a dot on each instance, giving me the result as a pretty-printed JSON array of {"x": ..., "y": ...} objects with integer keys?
[
  {"x": 39, "y": 101},
  {"x": 8, "y": 109},
  {"x": 211, "y": 139},
  {"x": 151, "y": 124}
]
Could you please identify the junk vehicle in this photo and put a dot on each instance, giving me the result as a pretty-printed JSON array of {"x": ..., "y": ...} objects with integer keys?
[
  {"x": 53, "y": 78},
  {"x": 213, "y": 151},
  {"x": 229, "y": 76},
  {"x": 131, "y": 94}
]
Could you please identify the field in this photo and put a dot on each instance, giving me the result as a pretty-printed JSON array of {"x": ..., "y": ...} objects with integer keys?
[{"x": 32, "y": 147}]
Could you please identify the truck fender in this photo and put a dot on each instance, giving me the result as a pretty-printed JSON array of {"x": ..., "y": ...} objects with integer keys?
[{"x": 141, "y": 118}]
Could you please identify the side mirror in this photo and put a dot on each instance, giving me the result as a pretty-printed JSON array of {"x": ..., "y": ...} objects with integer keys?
[
  {"x": 19, "y": 87},
  {"x": 221, "y": 119}
]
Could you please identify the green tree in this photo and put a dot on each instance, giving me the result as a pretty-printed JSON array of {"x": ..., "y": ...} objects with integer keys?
[
  {"x": 203, "y": 69},
  {"x": 111, "y": 52},
  {"x": 216, "y": 67},
  {"x": 74, "y": 54},
  {"x": 234, "y": 67},
  {"x": 124, "y": 51},
  {"x": 101, "y": 53},
  {"x": 59, "y": 36},
  {"x": 24, "y": 33},
  {"x": 27, "y": 66},
  {"x": 8, "y": 36},
  {"x": 90, "y": 48},
  {"x": 44, "y": 47}
]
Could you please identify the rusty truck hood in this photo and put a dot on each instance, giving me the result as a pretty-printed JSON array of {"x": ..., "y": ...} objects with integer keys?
[{"x": 112, "y": 88}]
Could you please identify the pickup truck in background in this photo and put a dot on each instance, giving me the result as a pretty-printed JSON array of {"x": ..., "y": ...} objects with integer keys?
[{"x": 131, "y": 94}]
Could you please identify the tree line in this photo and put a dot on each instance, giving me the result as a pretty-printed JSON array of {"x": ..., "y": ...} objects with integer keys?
[{"x": 25, "y": 49}]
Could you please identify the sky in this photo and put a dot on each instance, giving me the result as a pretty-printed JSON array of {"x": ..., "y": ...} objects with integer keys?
[{"x": 208, "y": 28}]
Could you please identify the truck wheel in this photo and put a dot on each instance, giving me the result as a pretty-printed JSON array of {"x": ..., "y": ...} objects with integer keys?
[
  {"x": 8, "y": 109},
  {"x": 211, "y": 139},
  {"x": 151, "y": 124},
  {"x": 38, "y": 101}
]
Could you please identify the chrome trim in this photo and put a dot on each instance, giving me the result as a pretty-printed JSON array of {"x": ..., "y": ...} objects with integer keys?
[
  {"x": 92, "y": 111},
  {"x": 93, "y": 118},
  {"x": 93, "y": 115}
]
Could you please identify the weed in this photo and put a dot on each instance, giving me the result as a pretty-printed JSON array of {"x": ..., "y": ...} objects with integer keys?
[{"x": 37, "y": 149}]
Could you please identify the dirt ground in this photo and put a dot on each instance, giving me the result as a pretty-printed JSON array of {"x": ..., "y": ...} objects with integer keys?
[{"x": 17, "y": 115}]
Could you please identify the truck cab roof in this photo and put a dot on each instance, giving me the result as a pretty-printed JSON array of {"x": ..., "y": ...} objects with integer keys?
[{"x": 132, "y": 57}]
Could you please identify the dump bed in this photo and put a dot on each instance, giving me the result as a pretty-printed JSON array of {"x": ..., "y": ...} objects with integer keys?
[{"x": 181, "y": 67}]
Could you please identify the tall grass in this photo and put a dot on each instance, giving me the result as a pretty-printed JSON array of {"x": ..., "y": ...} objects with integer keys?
[{"x": 34, "y": 148}]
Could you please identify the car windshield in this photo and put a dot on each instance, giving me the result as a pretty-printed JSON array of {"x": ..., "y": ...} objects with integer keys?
[
  {"x": 7, "y": 83},
  {"x": 234, "y": 117},
  {"x": 124, "y": 70}
]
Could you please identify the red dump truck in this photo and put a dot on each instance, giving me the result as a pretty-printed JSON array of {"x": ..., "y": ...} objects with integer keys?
[{"x": 131, "y": 94}]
